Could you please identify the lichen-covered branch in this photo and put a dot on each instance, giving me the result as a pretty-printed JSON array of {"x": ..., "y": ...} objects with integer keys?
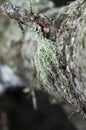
[
  {"x": 61, "y": 53},
  {"x": 61, "y": 65},
  {"x": 22, "y": 17}
]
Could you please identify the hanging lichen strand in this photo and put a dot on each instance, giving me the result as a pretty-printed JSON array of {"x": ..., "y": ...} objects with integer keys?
[{"x": 46, "y": 62}]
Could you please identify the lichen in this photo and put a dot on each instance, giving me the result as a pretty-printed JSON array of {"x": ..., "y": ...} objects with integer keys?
[
  {"x": 61, "y": 65},
  {"x": 45, "y": 59}
]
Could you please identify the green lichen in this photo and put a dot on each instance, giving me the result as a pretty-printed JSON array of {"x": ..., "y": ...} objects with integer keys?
[{"x": 45, "y": 60}]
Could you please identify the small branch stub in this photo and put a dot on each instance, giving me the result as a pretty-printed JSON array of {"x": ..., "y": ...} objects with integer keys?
[{"x": 22, "y": 17}]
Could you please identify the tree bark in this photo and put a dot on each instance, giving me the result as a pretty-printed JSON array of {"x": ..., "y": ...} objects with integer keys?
[
  {"x": 61, "y": 65},
  {"x": 60, "y": 57}
]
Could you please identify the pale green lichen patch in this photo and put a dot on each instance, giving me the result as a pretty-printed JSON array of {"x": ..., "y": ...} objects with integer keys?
[{"x": 45, "y": 59}]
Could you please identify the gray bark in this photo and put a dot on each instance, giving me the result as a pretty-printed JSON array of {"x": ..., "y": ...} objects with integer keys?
[
  {"x": 17, "y": 50},
  {"x": 60, "y": 65}
]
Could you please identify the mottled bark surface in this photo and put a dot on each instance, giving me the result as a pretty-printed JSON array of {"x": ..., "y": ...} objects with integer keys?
[
  {"x": 61, "y": 65},
  {"x": 16, "y": 49}
]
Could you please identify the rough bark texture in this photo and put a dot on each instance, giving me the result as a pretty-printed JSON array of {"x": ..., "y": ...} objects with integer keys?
[{"x": 61, "y": 65}]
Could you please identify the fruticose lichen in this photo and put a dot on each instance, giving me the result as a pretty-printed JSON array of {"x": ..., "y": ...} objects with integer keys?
[{"x": 47, "y": 66}]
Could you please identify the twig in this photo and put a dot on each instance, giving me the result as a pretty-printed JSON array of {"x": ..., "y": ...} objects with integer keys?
[{"x": 22, "y": 17}]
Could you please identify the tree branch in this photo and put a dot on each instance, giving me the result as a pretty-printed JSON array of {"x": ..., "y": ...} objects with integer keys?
[
  {"x": 22, "y": 17},
  {"x": 61, "y": 65}
]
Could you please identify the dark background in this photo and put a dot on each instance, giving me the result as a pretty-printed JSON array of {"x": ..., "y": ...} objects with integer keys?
[{"x": 61, "y": 2}]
